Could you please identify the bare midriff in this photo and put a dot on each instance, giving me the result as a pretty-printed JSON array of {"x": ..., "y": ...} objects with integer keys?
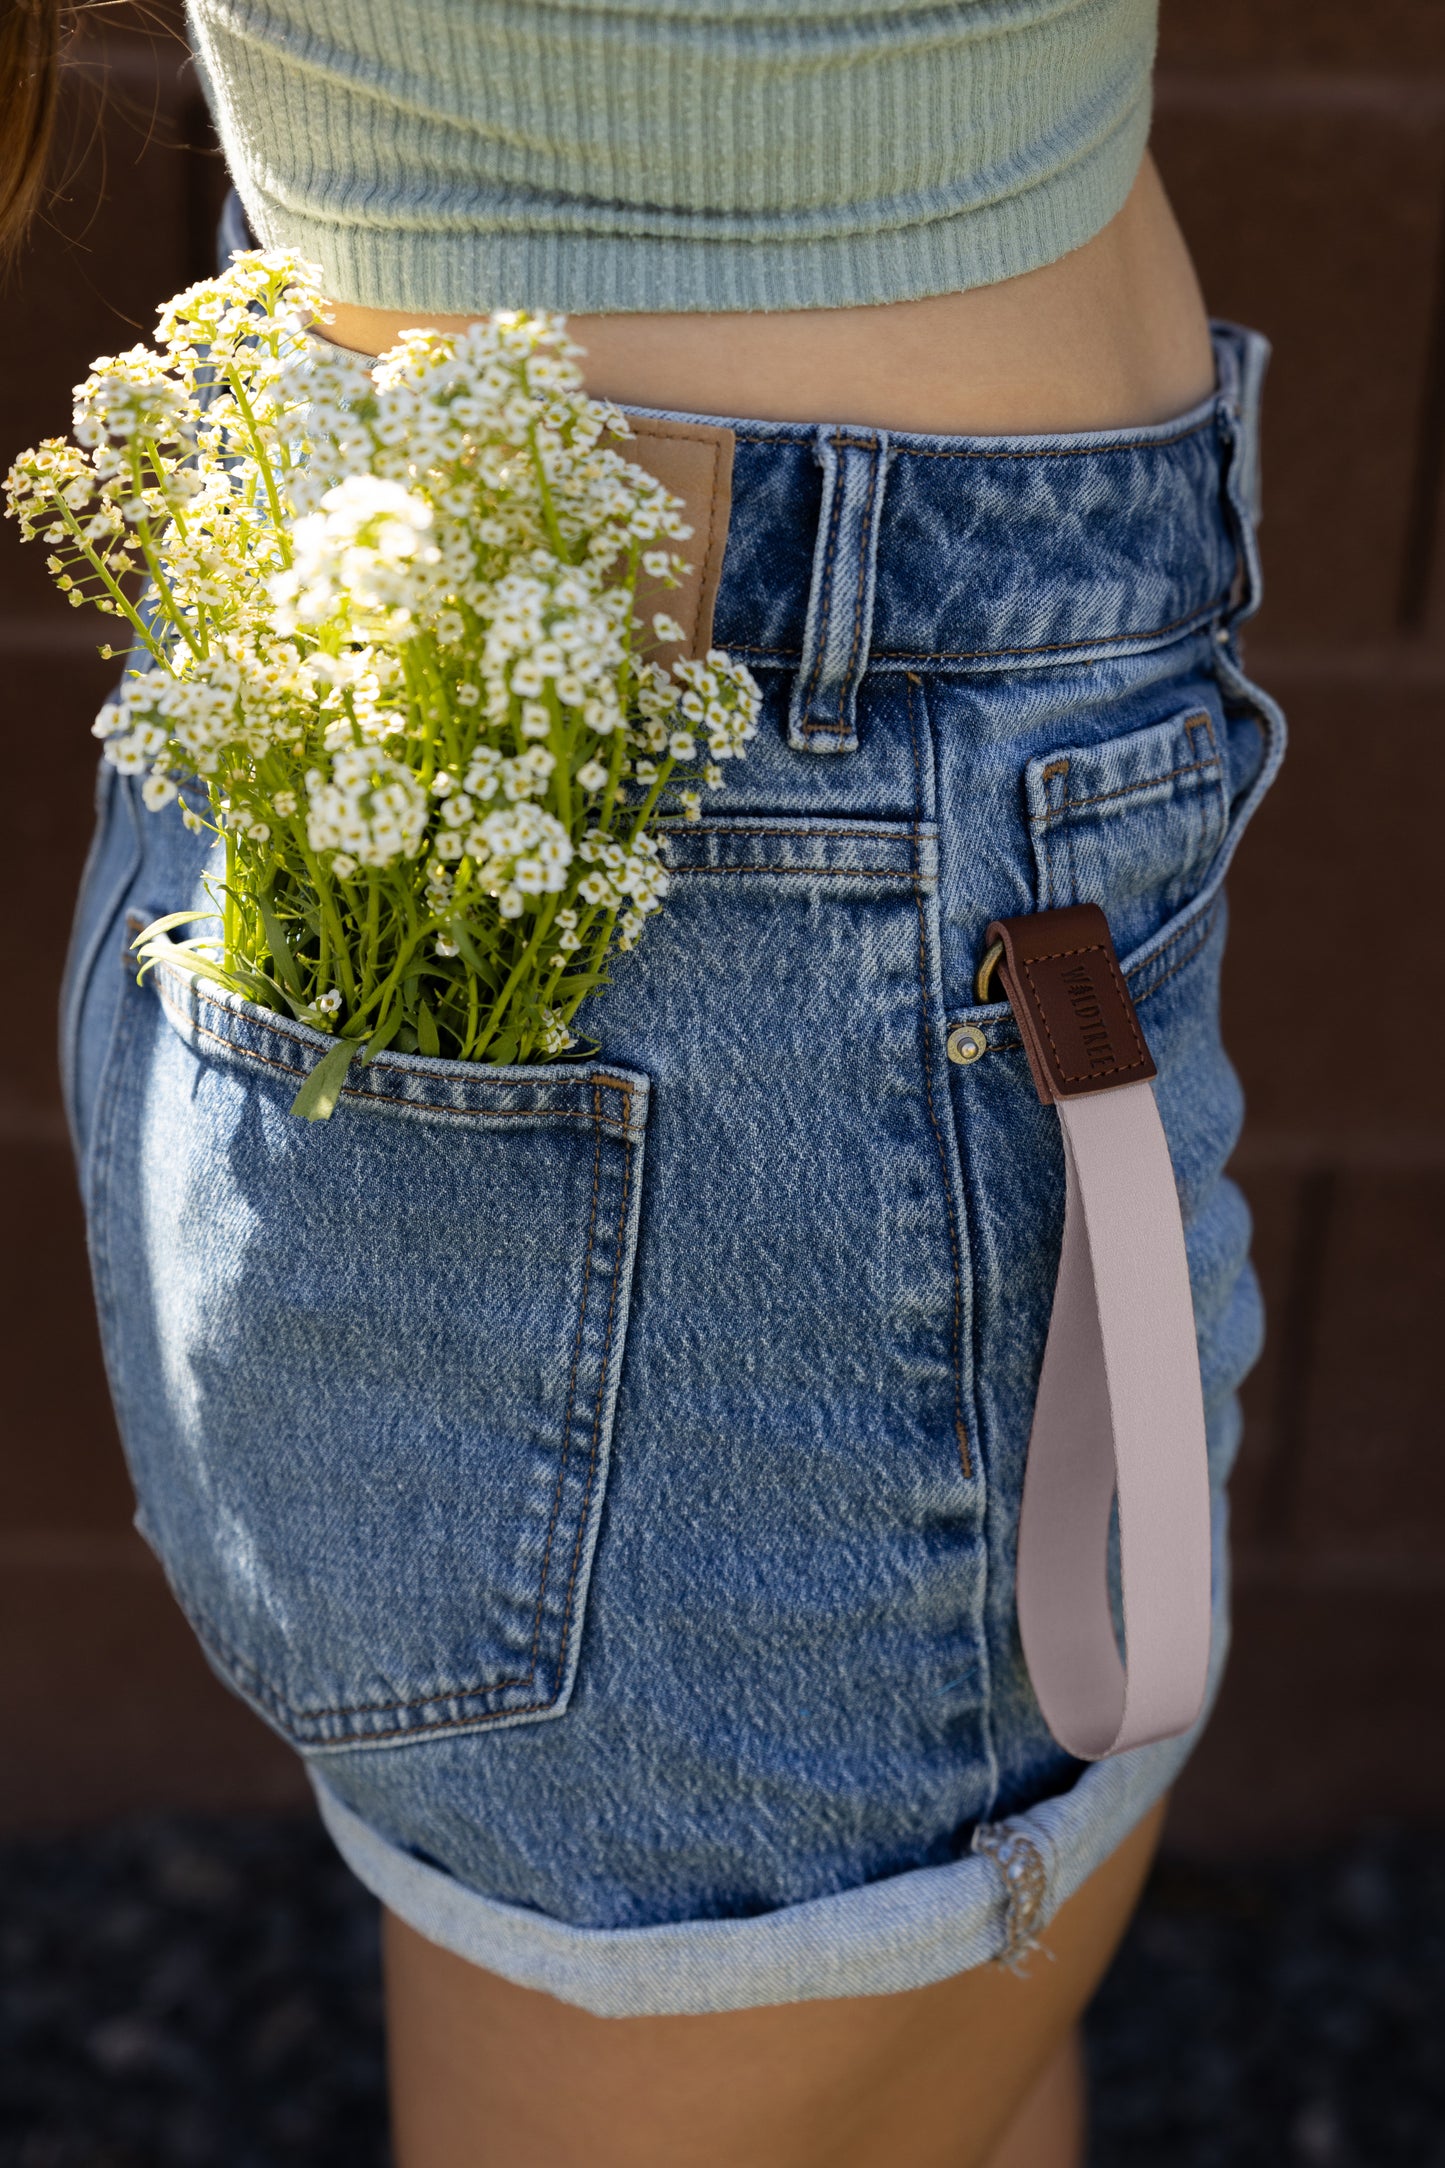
[{"x": 1110, "y": 336}]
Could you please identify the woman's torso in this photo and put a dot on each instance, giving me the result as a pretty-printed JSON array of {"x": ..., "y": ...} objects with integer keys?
[
  {"x": 905, "y": 216},
  {"x": 1113, "y": 334}
]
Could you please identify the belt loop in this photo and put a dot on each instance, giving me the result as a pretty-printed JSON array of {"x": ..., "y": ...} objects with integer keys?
[
  {"x": 823, "y": 713},
  {"x": 1243, "y": 360}
]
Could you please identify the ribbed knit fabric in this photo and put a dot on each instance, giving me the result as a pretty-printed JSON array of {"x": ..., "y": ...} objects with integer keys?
[{"x": 462, "y": 155}]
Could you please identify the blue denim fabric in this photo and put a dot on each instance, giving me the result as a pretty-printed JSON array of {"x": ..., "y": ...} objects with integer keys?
[{"x": 607, "y": 1473}]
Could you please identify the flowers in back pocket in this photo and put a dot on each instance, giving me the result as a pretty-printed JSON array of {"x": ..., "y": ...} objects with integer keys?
[{"x": 383, "y": 645}]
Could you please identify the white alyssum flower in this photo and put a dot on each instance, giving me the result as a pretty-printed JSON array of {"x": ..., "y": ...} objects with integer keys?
[
  {"x": 521, "y": 852},
  {"x": 364, "y": 552},
  {"x": 371, "y": 808},
  {"x": 389, "y": 657}
]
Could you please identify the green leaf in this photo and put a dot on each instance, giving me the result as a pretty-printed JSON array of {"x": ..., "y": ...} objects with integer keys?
[
  {"x": 159, "y": 926},
  {"x": 202, "y": 967},
  {"x": 280, "y": 948},
  {"x": 485, "y": 967},
  {"x": 385, "y": 1032},
  {"x": 316, "y": 1100},
  {"x": 426, "y": 1031},
  {"x": 236, "y": 978}
]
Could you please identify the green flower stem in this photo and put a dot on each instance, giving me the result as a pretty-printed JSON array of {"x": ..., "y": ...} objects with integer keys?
[
  {"x": 644, "y": 813},
  {"x": 594, "y": 962},
  {"x": 561, "y": 748},
  {"x": 313, "y": 871},
  {"x": 158, "y": 468},
  {"x": 230, "y": 945},
  {"x": 616, "y": 762},
  {"x": 117, "y": 592},
  {"x": 258, "y": 453},
  {"x": 175, "y": 616},
  {"x": 395, "y": 976},
  {"x": 432, "y": 699},
  {"x": 424, "y": 712},
  {"x": 519, "y": 969},
  {"x": 577, "y": 958},
  {"x": 373, "y": 922},
  {"x": 549, "y": 510},
  {"x": 442, "y": 706},
  {"x": 321, "y": 882}
]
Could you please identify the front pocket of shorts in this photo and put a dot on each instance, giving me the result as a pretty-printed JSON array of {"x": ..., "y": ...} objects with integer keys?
[
  {"x": 366, "y": 1368},
  {"x": 1133, "y": 824}
]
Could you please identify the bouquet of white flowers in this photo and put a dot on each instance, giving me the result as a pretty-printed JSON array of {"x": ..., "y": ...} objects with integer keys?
[{"x": 384, "y": 644}]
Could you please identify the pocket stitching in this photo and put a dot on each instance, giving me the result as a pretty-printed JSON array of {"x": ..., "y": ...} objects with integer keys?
[
  {"x": 293, "y": 1714},
  {"x": 1053, "y": 827},
  {"x": 960, "y": 1427},
  {"x": 1200, "y": 615},
  {"x": 606, "y": 1357},
  {"x": 885, "y": 832},
  {"x": 567, "y": 1419},
  {"x": 299, "y": 1715},
  {"x": 389, "y": 1099},
  {"x": 1126, "y": 790},
  {"x": 1061, "y": 956},
  {"x": 808, "y": 873},
  {"x": 1189, "y": 954}
]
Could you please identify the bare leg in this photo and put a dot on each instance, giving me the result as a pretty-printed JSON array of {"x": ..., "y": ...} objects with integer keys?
[
  {"x": 487, "y": 2075},
  {"x": 1050, "y": 2129}
]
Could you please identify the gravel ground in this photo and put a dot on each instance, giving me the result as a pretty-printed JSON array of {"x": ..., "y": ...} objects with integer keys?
[
  {"x": 203, "y": 1994},
  {"x": 1280, "y": 2016}
]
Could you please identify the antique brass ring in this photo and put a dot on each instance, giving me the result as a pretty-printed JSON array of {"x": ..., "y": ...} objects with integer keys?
[{"x": 986, "y": 971}]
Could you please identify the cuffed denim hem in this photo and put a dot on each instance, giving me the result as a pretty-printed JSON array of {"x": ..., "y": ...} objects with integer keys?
[{"x": 907, "y": 1931}]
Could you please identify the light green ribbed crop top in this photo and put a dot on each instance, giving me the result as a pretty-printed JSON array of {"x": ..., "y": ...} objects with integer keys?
[{"x": 591, "y": 155}]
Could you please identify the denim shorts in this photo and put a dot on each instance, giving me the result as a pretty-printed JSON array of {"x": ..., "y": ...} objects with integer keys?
[{"x": 606, "y": 1474}]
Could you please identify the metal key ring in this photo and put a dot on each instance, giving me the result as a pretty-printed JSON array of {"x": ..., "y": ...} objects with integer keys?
[{"x": 986, "y": 970}]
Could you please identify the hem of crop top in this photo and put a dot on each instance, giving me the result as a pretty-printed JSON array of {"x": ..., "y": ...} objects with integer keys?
[{"x": 543, "y": 254}]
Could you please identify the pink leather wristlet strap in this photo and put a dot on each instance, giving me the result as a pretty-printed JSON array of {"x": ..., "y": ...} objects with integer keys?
[{"x": 1119, "y": 1412}]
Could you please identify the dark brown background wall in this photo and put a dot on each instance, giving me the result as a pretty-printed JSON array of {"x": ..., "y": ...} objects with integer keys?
[{"x": 1304, "y": 144}]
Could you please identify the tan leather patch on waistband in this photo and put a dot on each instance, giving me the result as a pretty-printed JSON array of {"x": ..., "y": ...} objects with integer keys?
[
  {"x": 1073, "y": 1009},
  {"x": 695, "y": 461}
]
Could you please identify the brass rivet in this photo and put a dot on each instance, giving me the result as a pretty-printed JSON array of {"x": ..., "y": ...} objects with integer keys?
[{"x": 965, "y": 1043}]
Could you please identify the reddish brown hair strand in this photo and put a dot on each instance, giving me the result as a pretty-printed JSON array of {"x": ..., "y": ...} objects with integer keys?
[{"x": 32, "y": 36}]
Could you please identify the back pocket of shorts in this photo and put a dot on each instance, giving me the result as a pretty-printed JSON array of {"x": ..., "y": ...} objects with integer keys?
[
  {"x": 1133, "y": 823},
  {"x": 366, "y": 1368}
]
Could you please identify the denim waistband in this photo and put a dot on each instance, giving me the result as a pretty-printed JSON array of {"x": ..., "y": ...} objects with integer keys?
[{"x": 852, "y": 549}]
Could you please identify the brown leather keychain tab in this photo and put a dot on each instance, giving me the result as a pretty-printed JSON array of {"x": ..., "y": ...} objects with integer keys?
[
  {"x": 1119, "y": 1413},
  {"x": 1078, "y": 1023}
]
